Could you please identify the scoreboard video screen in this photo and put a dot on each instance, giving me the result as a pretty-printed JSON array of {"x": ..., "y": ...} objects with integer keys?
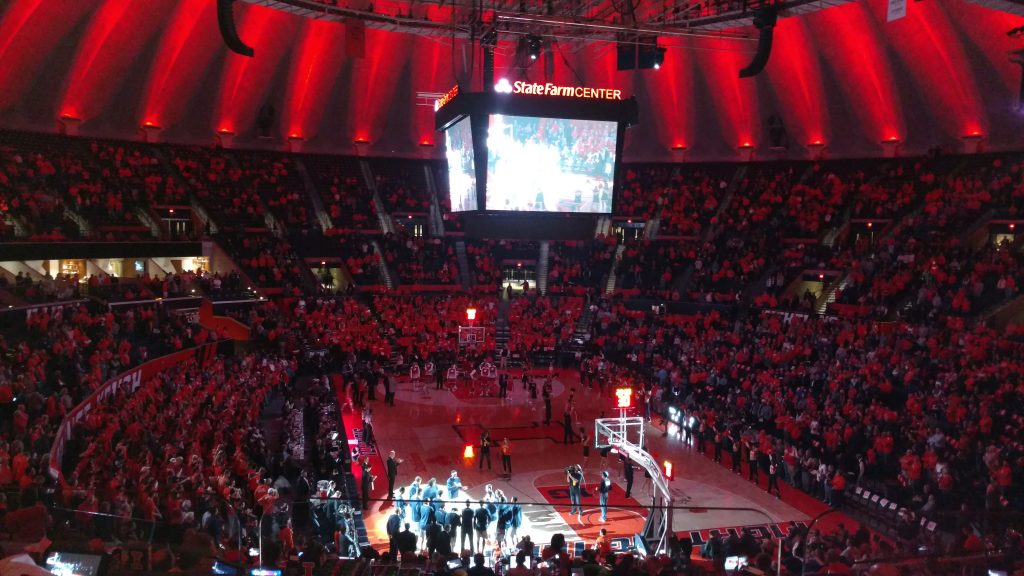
[
  {"x": 461, "y": 166},
  {"x": 550, "y": 164},
  {"x": 534, "y": 148}
]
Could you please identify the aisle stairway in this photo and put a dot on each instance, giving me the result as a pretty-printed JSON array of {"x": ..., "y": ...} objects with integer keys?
[
  {"x": 502, "y": 331},
  {"x": 385, "y": 273},
  {"x": 542, "y": 267},
  {"x": 610, "y": 286},
  {"x": 464, "y": 276},
  {"x": 322, "y": 216}
]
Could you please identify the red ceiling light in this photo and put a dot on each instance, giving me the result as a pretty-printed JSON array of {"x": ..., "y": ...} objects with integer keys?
[
  {"x": 817, "y": 143},
  {"x": 470, "y": 314},
  {"x": 746, "y": 145},
  {"x": 427, "y": 144},
  {"x": 225, "y": 131},
  {"x": 679, "y": 147},
  {"x": 150, "y": 124},
  {"x": 361, "y": 140},
  {"x": 294, "y": 136}
]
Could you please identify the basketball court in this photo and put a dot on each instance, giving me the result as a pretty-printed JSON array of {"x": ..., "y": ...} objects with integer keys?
[{"x": 431, "y": 429}]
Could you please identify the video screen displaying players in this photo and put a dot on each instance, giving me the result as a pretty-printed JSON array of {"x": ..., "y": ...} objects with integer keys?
[
  {"x": 461, "y": 171},
  {"x": 550, "y": 164}
]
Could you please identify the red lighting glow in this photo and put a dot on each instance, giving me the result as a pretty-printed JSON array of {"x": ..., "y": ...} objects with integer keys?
[
  {"x": 623, "y": 397},
  {"x": 1012, "y": 226},
  {"x": 821, "y": 276},
  {"x": 746, "y": 145},
  {"x": 668, "y": 469},
  {"x": 244, "y": 82},
  {"x": 817, "y": 143},
  {"x": 468, "y": 452},
  {"x": 225, "y": 130},
  {"x": 294, "y": 136},
  {"x": 184, "y": 54},
  {"x": 470, "y": 314},
  {"x": 679, "y": 146},
  {"x": 361, "y": 140},
  {"x": 870, "y": 224},
  {"x": 315, "y": 65}
]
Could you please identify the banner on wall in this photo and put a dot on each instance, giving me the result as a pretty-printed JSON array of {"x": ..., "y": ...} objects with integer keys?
[
  {"x": 126, "y": 382},
  {"x": 355, "y": 38},
  {"x": 897, "y": 10}
]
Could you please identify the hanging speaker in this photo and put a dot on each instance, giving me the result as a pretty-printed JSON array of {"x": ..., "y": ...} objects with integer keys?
[
  {"x": 764, "y": 20},
  {"x": 226, "y": 22}
]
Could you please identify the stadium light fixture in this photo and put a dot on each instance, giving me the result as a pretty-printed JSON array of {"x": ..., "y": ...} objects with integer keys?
[{"x": 533, "y": 46}]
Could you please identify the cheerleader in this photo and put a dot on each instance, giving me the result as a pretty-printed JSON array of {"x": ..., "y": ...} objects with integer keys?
[
  {"x": 414, "y": 376},
  {"x": 453, "y": 377}
]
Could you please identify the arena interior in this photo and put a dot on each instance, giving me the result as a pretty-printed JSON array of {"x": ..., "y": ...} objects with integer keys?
[{"x": 537, "y": 288}]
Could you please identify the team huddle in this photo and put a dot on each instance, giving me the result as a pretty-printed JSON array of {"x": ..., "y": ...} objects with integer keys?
[{"x": 439, "y": 518}]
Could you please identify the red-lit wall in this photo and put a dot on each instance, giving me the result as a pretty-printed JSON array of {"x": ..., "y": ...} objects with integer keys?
[{"x": 842, "y": 76}]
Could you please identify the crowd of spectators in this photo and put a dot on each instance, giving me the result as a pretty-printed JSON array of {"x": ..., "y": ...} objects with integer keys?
[
  {"x": 349, "y": 202},
  {"x": 221, "y": 186},
  {"x": 131, "y": 457},
  {"x": 579, "y": 263},
  {"x": 401, "y": 185},
  {"x": 652, "y": 267},
  {"x": 920, "y": 412},
  {"x": 278, "y": 182},
  {"x": 485, "y": 267},
  {"x": 138, "y": 171},
  {"x": 542, "y": 323},
  {"x": 268, "y": 260},
  {"x": 419, "y": 260},
  {"x": 422, "y": 325},
  {"x": 59, "y": 357},
  {"x": 45, "y": 289}
]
